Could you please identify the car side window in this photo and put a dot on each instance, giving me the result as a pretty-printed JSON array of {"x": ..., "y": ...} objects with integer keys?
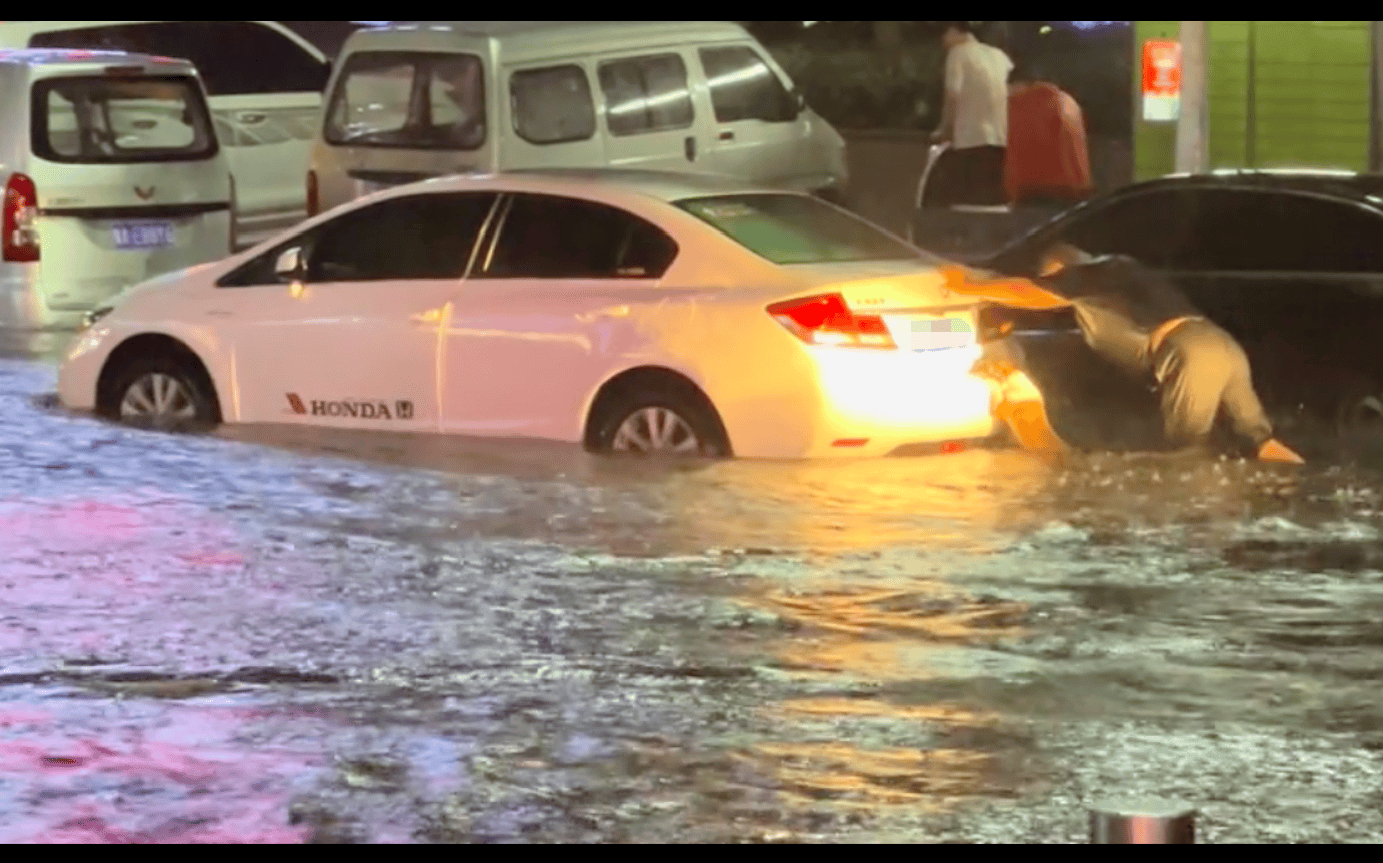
[
  {"x": 429, "y": 236},
  {"x": 646, "y": 94},
  {"x": 1250, "y": 230},
  {"x": 1151, "y": 227},
  {"x": 552, "y": 105},
  {"x": 217, "y": 48},
  {"x": 744, "y": 87},
  {"x": 551, "y": 237},
  {"x": 417, "y": 237}
]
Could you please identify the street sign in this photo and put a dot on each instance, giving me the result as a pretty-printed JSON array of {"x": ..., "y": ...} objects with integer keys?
[{"x": 1161, "y": 80}]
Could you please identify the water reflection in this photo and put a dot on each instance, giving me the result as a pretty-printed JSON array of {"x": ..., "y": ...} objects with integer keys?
[
  {"x": 650, "y": 507},
  {"x": 84, "y": 578},
  {"x": 902, "y": 747},
  {"x": 853, "y": 616}
]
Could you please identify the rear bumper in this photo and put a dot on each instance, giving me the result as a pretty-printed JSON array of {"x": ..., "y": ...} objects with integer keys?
[
  {"x": 851, "y": 403},
  {"x": 875, "y": 403},
  {"x": 251, "y": 229},
  {"x": 22, "y": 306}
]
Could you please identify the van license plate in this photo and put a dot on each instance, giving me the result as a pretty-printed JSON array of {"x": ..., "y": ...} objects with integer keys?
[{"x": 146, "y": 235}]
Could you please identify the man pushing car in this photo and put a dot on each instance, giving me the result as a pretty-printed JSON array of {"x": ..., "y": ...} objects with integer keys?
[{"x": 1141, "y": 322}]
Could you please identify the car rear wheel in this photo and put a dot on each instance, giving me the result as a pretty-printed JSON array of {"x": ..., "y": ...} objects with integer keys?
[
  {"x": 162, "y": 393},
  {"x": 665, "y": 423}
]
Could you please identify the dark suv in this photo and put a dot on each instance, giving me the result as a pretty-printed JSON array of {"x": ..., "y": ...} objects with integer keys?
[{"x": 1290, "y": 262}]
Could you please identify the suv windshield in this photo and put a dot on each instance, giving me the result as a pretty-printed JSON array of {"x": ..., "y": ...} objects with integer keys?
[
  {"x": 412, "y": 99},
  {"x": 797, "y": 229},
  {"x": 99, "y": 119}
]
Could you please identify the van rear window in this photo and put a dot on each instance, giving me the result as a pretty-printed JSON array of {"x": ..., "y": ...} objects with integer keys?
[
  {"x": 413, "y": 99},
  {"x": 102, "y": 120}
]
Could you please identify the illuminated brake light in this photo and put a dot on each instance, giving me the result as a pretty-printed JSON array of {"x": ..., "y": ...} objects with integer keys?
[
  {"x": 952, "y": 446},
  {"x": 850, "y": 441},
  {"x": 826, "y": 320},
  {"x": 19, "y": 222},
  {"x": 313, "y": 201}
]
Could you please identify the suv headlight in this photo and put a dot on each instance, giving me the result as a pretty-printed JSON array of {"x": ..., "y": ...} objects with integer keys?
[{"x": 90, "y": 318}]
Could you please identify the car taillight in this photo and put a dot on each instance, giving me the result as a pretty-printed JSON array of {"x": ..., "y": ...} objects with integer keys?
[
  {"x": 826, "y": 320},
  {"x": 313, "y": 202},
  {"x": 20, "y": 221}
]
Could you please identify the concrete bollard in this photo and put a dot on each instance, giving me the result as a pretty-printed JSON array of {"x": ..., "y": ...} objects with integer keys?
[{"x": 1142, "y": 822}]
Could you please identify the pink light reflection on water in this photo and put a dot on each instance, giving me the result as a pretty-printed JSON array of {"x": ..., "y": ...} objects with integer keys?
[
  {"x": 87, "y": 575},
  {"x": 186, "y": 780},
  {"x": 72, "y": 572}
]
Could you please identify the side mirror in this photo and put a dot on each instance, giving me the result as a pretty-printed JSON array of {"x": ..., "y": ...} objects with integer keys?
[{"x": 290, "y": 266}]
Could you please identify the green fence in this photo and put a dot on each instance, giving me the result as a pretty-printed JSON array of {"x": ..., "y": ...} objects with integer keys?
[{"x": 1280, "y": 94}]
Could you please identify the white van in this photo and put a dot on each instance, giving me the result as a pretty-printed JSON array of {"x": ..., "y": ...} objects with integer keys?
[
  {"x": 112, "y": 175},
  {"x": 265, "y": 86},
  {"x": 416, "y": 100}
]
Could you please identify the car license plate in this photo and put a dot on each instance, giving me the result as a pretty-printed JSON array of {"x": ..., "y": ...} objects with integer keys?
[
  {"x": 941, "y": 334},
  {"x": 143, "y": 235}
]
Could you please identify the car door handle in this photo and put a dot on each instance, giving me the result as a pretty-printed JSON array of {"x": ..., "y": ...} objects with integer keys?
[
  {"x": 219, "y": 313},
  {"x": 690, "y": 147},
  {"x": 251, "y": 118},
  {"x": 727, "y": 136},
  {"x": 431, "y": 316}
]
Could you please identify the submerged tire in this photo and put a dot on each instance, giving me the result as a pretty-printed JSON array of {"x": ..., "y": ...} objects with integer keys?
[
  {"x": 671, "y": 421},
  {"x": 166, "y": 393}
]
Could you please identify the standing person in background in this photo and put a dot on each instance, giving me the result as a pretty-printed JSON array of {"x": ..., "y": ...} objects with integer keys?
[
  {"x": 1047, "y": 161},
  {"x": 974, "y": 120}
]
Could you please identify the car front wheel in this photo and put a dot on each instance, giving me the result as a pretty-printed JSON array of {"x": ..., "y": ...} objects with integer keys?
[{"x": 164, "y": 394}]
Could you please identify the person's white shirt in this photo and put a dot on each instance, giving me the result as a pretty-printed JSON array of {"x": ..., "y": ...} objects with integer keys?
[{"x": 977, "y": 81}]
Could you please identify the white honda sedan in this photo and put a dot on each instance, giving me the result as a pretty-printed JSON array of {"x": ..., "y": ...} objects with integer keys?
[{"x": 626, "y": 311}]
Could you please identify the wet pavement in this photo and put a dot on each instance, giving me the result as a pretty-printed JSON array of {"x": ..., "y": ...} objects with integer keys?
[{"x": 292, "y": 636}]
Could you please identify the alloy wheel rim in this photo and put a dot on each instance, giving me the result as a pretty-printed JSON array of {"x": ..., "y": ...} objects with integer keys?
[
  {"x": 656, "y": 430},
  {"x": 158, "y": 399}
]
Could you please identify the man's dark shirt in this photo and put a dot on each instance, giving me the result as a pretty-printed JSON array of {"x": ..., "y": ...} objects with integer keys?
[{"x": 1118, "y": 304}]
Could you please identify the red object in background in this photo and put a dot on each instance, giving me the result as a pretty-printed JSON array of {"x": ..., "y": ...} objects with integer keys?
[{"x": 1047, "y": 155}]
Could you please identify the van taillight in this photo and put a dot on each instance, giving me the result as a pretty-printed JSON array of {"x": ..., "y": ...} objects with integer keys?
[
  {"x": 20, "y": 221},
  {"x": 313, "y": 203},
  {"x": 825, "y": 320}
]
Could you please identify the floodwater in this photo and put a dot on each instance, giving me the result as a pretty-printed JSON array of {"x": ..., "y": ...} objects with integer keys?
[{"x": 290, "y": 636}]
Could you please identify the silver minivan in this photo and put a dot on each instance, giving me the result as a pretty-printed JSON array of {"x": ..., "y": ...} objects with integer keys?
[
  {"x": 112, "y": 174},
  {"x": 417, "y": 100},
  {"x": 264, "y": 84}
]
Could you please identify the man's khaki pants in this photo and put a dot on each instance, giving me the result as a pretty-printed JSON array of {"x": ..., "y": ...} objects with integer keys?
[{"x": 1200, "y": 371}]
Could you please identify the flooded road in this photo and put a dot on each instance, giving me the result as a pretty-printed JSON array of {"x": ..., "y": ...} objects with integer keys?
[{"x": 286, "y": 636}]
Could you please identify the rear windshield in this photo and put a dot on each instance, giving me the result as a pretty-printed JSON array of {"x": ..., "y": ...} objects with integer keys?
[
  {"x": 412, "y": 99},
  {"x": 797, "y": 229},
  {"x": 103, "y": 120}
]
